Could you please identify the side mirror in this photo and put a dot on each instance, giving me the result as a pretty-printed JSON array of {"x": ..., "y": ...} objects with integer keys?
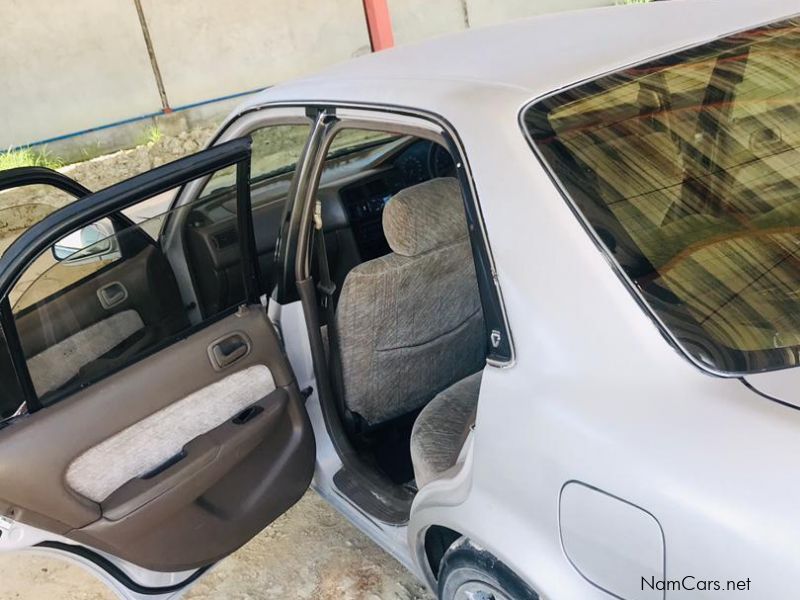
[{"x": 90, "y": 243}]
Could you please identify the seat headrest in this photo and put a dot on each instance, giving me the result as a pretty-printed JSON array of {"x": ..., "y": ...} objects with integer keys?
[{"x": 425, "y": 217}]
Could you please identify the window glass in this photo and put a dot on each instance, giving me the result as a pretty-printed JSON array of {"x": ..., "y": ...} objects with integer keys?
[
  {"x": 150, "y": 214},
  {"x": 79, "y": 254},
  {"x": 349, "y": 140},
  {"x": 109, "y": 294},
  {"x": 275, "y": 151},
  {"x": 23, "y": 206},
  {"x": 10, "y": 392},
  {"x": 102, "y": 298},
  {"x": 688, "y": 169},
  {"x": 211, "y": 236}
]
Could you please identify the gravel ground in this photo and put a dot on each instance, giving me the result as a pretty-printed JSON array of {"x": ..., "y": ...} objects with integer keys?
[{"x": 309, "y": 553}]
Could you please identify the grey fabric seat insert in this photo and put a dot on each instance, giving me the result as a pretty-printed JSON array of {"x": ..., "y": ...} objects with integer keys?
[
  {"x": 442, "y": 427},
  {"x": 410, "y": 323}
]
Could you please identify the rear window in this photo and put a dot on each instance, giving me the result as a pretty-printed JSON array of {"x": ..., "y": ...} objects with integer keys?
[{"x": 687, "y": 169}]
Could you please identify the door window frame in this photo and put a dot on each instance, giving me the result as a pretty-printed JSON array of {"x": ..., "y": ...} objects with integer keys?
[
  {"x": 297, "y": 244},
  {"x": 240, "y": 125},
  {"x": 109, "y": 202},
  {"x": 14, "y": 179},
  {"x": 330, "y": 118}
]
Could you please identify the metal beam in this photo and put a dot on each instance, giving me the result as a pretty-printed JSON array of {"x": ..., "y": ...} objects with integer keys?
[
  {"x": 379, "y": 24},
  {"x": 148, "y": 41}
]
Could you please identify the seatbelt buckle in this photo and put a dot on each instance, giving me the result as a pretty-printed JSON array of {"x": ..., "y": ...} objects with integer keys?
[
  {"x": 326, "y": 291},
  {"x": 318, "y": 215}
]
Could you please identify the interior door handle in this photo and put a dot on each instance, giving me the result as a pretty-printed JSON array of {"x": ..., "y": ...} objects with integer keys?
[
  {"x": 228, "y": 350},
  {"x": 112, "y": 294}
]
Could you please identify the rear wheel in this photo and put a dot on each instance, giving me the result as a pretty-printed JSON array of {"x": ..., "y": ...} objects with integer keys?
[{"x": 470, "y": 573}]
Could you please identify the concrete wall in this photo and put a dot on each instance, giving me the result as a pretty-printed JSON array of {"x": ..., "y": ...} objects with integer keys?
[
  {"x": 416, "y": 20},
  {"x": 72, "y": 66},
  {"x": 208, "y": 48},
  {"x": 68, "y": 66},
  {"x": 492, "y": 12}
]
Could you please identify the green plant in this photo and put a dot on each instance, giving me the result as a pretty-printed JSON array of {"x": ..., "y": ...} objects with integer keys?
[
  {"x": 153, "y": 135},
  {"x": 28, "y": 157},
  {"x": 92, "y": 150}
]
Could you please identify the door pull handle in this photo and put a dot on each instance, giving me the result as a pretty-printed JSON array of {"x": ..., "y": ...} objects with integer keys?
[{"x": 228, "y": 350}]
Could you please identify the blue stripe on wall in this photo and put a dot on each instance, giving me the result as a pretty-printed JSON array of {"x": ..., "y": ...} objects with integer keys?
[{"x": 67, "y": 136}]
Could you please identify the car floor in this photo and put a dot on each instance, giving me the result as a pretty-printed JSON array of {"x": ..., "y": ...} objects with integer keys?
[{"x": 309, "y": 553}]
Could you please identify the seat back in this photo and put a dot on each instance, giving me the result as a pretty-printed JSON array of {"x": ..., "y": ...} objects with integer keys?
[{"x": 410, "y": 323}]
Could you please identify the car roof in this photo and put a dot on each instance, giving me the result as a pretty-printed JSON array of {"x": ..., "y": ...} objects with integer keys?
[{"x": 532, "y": 57}]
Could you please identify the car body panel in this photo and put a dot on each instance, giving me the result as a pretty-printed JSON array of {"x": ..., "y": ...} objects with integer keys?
[
  {"x": 529, "y": 57},
  {"x": 782, "y": 385},
  {"x": 596, "y": 393}
]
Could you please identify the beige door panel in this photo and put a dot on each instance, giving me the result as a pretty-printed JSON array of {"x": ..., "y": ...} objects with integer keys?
[
  {"x": 149, "y": 465},
  {"x": 241, "y": 484},
  {"x": 161, "y": 437}
]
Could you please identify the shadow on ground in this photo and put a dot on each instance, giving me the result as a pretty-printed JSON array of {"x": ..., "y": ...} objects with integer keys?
[{"x": 309, "y": 553}]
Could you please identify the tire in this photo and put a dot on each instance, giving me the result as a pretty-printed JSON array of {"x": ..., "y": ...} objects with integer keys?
[{"x": 470, "y": 573}]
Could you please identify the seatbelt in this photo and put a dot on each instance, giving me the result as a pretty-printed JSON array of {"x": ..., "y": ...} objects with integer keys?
[
  {"x": 325, "y": 285},
  {"x": 326, "y": 289}
]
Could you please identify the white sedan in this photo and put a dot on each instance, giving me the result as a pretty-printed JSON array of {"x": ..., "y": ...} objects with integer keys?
[{"x": 522, "y": 303}]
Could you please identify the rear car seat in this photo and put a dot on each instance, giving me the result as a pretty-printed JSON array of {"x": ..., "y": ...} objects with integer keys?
[{"x": 442, "y": 427}]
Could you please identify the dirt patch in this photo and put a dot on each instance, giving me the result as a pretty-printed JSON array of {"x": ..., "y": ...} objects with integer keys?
[{"x": 311, "y": 553}]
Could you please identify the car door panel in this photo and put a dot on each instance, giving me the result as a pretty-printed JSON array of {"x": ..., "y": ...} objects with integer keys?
[
  {"x": 233, "y": 479},
  {"x": 176, "y": 447}
]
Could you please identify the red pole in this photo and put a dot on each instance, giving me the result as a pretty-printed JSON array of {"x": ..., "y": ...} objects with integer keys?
[{"x": 379, "y": 24}]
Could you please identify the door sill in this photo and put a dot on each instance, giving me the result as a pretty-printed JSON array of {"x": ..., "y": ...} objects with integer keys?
[{"x": 392, "y": 508}]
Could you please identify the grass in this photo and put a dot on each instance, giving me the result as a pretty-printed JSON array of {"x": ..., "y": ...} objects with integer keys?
[
  {"x": 92, "y": 150},
  {"x": 153, "y": 135},
  {"x": 28, "y": 157}
]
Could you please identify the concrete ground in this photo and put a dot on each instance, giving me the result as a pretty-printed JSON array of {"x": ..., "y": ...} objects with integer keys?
[{"x": 311, "y": 553}]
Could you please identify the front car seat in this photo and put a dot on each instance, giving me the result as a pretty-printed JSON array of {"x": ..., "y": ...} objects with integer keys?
[{"x": 410, "y": 323}]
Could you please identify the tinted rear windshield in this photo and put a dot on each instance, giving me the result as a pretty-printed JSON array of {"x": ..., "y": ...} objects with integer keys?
[{"x": 687, "y": 168}]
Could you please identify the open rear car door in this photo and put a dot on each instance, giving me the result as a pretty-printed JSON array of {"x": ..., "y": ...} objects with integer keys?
[{"x": 153, "y": 436}]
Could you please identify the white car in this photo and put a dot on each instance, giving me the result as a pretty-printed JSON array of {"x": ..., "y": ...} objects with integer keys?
[{"x": 521, "y": 303}]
